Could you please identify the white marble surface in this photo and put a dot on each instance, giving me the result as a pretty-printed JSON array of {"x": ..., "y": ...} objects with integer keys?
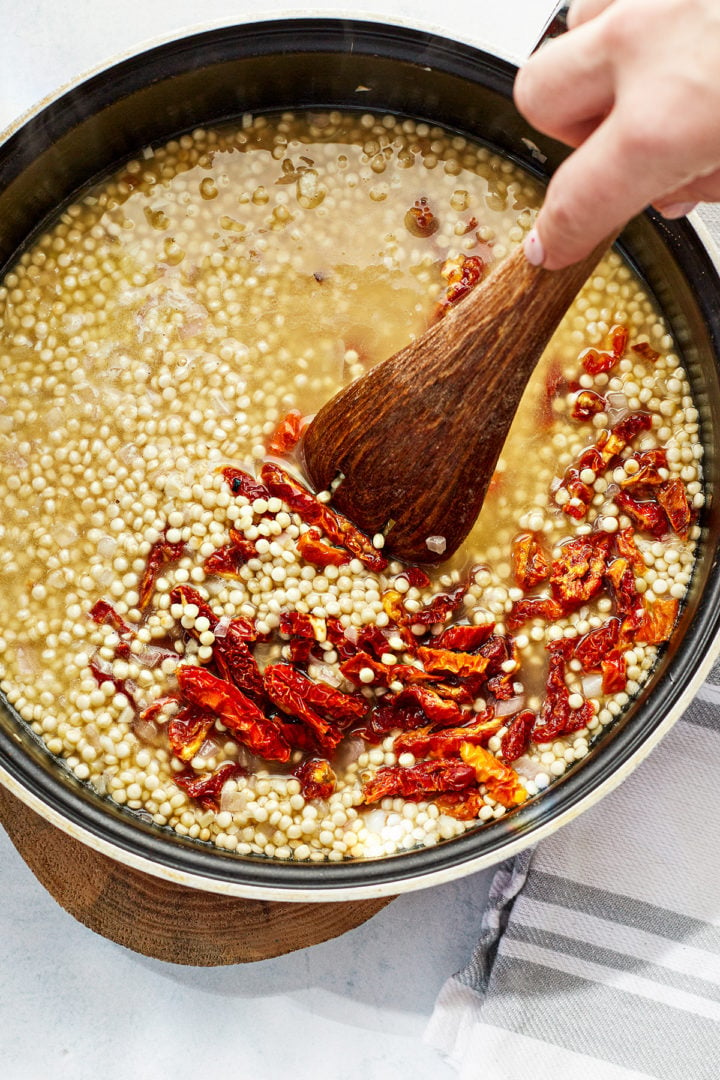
[{"x": 75, "y": 1006}]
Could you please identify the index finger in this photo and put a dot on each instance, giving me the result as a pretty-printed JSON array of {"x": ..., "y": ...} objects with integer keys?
[{"x": 578, "y": 212}]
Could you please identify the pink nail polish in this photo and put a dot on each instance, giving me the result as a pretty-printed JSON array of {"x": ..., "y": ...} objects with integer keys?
[{"x": 534, "y": 251}]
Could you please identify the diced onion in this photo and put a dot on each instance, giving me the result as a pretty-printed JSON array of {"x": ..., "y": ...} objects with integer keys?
[
  {"x": 153, "y": 655},
  {"x": 528, "y": 767},
  {"x": 618, "y": 405},
  {"x": 592, "y": 685},
  {"x": 511, "y": 706},
  {"x": 234, "y": 802},
  {"x": 325, "y": 673},
  {"x": 437, "y": 544}
]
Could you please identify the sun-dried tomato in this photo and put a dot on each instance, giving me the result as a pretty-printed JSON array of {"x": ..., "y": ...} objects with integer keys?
[
  {"x": 394, "y": 607},
  {"x": 103, "y": 612},
  {"x": 673, "y": 499},
  {"x": 412, "y": 708},
  {"x": 597, "y": 458},
  {"x": 371, "y": 639},
  {"x": 535, "y": 607},
  {"x": 343, "y": 708},
  {"x": 450, "y": 662},
  {"x": 335, "y": 527},
  {"x": 502, "y": 782},
  {"x": 426, "y": 742},
  {"x": 161, "y": 554},
  {"x": 388, "y": 718},
  {"x": 435, "y": 611},
  {"x": 287, "y": 434},
  {"x": 300, "y": 651},
  {"x": 627, "y": 548},
  {"x": 317, "y": 779},
  {"x": 121, "y": 685},
  {"x": 577, "y": 574},
  {"x": 530, "y": 564},
  {"x": 299, "y": 624},
  {"x": 657, "y": 621},
  {"x": 320, "y": 554},
  {"x": 238, "y": 629},
  {"x": 420, "y": 780},
  {"x": 292, "y": 691},
  {"x": 188, "y": 730},
  {"x": 649, "y": 462},
  {"x": 297, "y": 735},
  {"x": 436, "y": 708},
  {"x": 581, "y": 495},
  {"x": 556, "y": 717},
  {"x": 227, "y": 560},
  {"x": 416, "y": 576},
  {"x": 646, "y": 351},
  {"x": 502, "y": 687},
  {"x": 336, "y": 634},
  {"x": 152, "y": 711},
  {"x": 616, "y": 340},
  {"x": 420, "y": 220},
  {"x": 516, "y": 739},
  {"x": 304, "y": 631},
  {"x": 623, "y": 433},
  {"x": 622, "y": 579},
  {"x": 363, "y": 661},
  {"x": 242, "y": 483},
  {"x": 231, "y": 653},
  {"x": 647, "y": 516},
  {"x": 596, "y": 361},
  {"x": 206, "y": 788},
  {"x": 464, "y": 638},
  {"x": 593, "y": 647},
  {"x": 588, "y": 404},
  {"x": 186, "y": 594},
  {"x": 462, "y": 805},
  {"x": 438, "y": 608},
  {"x": 463, "y": 692},
  {"x": 242, "y": 716},
  {"x": 614, "y": 673},
  {"x": 237, "y": 664},
  {"x": 461, "y": 275}
]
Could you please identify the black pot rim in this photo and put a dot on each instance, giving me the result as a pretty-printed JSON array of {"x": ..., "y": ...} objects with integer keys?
[{"x": 79, "y": 812}]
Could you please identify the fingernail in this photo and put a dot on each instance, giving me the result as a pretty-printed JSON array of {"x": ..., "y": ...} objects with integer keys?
[
  {"x": 676, "y": 210},
  {"x": 534, "y": 251}
]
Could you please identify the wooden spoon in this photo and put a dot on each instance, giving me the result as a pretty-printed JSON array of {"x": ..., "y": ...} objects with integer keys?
[{"x": 415, "y": 440}]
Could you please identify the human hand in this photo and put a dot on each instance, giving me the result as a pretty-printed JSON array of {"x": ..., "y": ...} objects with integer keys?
[{"x": 634, "y": 86}]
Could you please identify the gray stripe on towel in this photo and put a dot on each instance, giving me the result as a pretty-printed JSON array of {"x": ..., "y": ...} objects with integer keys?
[
  {"x": 714, "y": 675},
  {"x": 704, "y": 709},
  {"x": 622, "y": 909},
  {"x": 509, "y": 879},
  {"x": 600, "y": 1021},
  {"x": 610, "y": 958}
]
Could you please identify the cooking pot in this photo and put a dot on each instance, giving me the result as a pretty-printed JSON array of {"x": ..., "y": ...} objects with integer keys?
[{"x": 215, "y": 76}]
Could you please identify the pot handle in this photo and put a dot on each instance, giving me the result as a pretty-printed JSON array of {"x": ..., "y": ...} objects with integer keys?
[{"x": 555, "y": 26}]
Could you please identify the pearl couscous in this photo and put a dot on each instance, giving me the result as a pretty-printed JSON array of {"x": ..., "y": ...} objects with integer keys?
[{"x": 204, "y": 640}]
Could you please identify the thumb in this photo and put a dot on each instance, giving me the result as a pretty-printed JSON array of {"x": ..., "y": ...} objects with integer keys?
[{"x": 593, "y": 194}]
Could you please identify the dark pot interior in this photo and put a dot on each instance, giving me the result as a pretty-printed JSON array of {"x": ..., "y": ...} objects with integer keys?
[{"x": 217, "y": 76}]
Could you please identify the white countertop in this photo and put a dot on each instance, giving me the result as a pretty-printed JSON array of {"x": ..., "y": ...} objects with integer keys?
[{"x": 76, "y": 1006}]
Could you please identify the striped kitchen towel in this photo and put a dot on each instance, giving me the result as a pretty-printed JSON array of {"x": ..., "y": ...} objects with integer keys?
[{"x": 599, "y": 951}]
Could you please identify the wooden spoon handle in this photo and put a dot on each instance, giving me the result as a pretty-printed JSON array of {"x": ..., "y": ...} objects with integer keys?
[{"x": 416, "y": 440}]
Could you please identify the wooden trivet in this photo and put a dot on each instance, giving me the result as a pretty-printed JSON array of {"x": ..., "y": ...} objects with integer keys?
[{"x": 161, "y": 919}]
